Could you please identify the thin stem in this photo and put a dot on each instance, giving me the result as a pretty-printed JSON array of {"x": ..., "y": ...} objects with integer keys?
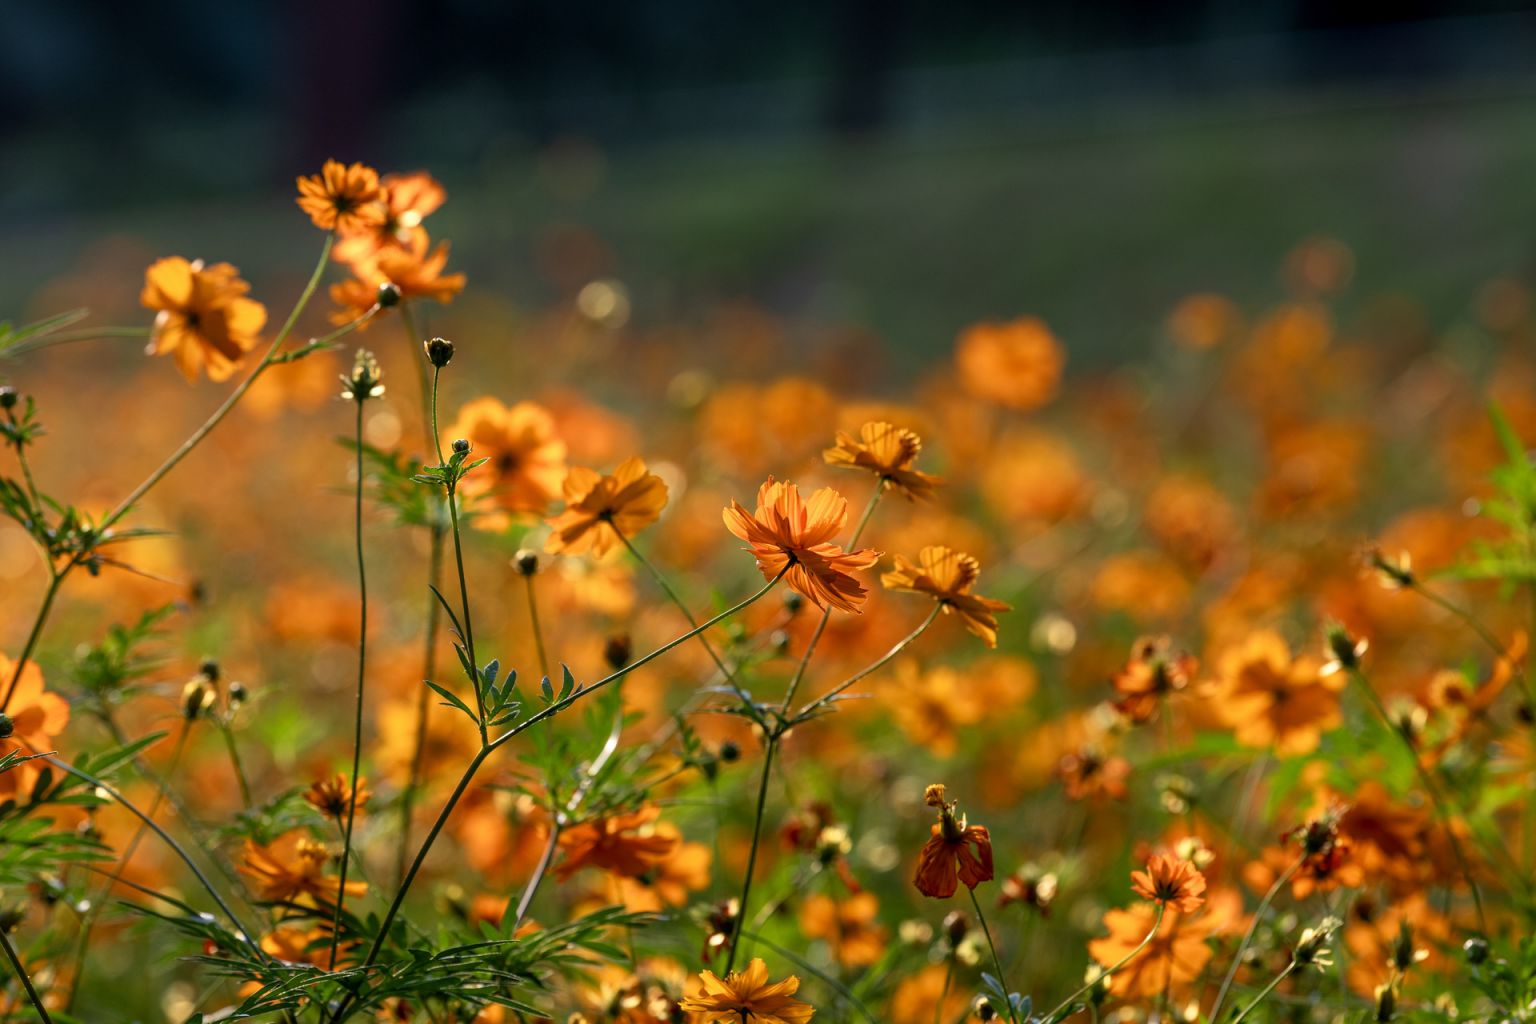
[
  {"x": 533, "y": 618},
  {"x": 1157, "y": 922},
  {"x": 458, "y": 558},
  {"x": 757, "y": 832},
  {"x": 949, "y": 978},
  {"x": 54, "y": 580},
  {"x": 997, "y": 961},
  {"x": 1253, "y": 927},
  {"x": 236, "y": 764},
  {"x": 362, "y": 663},
  {"x": 826, "y": 615},
  {"x": 26, "y": 982},
  {"x": 1273, "y": 984},
  {"x": 902, "y": 645}
]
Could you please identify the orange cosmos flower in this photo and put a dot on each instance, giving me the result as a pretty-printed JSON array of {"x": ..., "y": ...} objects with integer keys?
[
  {"x": 1088, "y": 774},
  {"x": 296, "y": 944},
  {"x": 947, "y": 854},
  {"x": 414, "y": 269},
  {"x": 333, "y": 797},
  {"x": 600, "y": 508},
  {"x": 1152, "y": 674},
  {"x": 786, "y": 531},
  {"x": 947, "y": 577},
  {"x": 681, "y": 870},
  {"x": 1017, "y": 364},
  {"x": 625, "y": 844},
  {"x": 1171, "y": 881},
  {"x": 407, "y": 200},
  {"x": 37, "y": 716},
  {"x": 203, "y": 318},
  {"x": 747, "y": 996},
  {"x": 887, "y": 451},
  {"x": 1171, "y": 962},
  {"x": 851, "y": 928},
  {"x": 341, "y": 198},
  {"x": 527, "y": 463},
  {"x": 291, "y": 870},
  {"x": 1270, "y": 700}
]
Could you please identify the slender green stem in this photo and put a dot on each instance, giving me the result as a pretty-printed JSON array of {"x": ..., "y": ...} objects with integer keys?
[
  {"x": 949, "y": 979},
  {"x": 69, "y": 337},
  {"x": 362, "y": 664},
  {"x": 771, "y": 742},
  {"x": 533, "y": 618},
  {"x": 1264, "y": 994},
  {"x": 236, "y": 764},
  {"x": 1430, "y": 790},
  {"x": 26, "y": 982},
  {"x": 1253, "y": 927},
  {"x": 826, "y": 615},
  {"x": 54, "y": 580},
  {"x": 902, "y": 645},
  {"x": 997, "y": 961},
  {"x": 1157, "y": 922},
  {"x": 458, "y": 558}
]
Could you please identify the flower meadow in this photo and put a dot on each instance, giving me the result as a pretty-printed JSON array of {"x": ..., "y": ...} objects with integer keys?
[{"x": 366, "y": 659}]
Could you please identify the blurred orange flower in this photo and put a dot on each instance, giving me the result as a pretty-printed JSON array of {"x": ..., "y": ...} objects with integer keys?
[
  {"x": 527, "y": 460},
  {"x": 626, "y": 844},
  {"x": 887, "y": 451},
  {"x": 37, "y": 716},
  {"x": 1268, "y": 699},
  {"x": 786, "y": 531},
  {"x": 1017, "y": 364},
  {"x": 1171, "y": 962},
  {"x": 598, "y": 507},
  {"x": 1151, "y": 675},
  {"x": 407, "y": 200},
  {"x": 415, "y": 269},
  {"x": 291, "y": 870},
  {"x": 341, "y": 198},
  {"x": 333, "y": 797},
  {"x": 851, "y": 928},
  {"x": 947, "y": 577},
  {"x": 1170, "y": 881},
  {"x": 203, "y": 318}
]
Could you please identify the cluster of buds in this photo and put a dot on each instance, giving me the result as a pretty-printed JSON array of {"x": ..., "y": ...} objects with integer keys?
[
  {"x": 366, "y": 379},
  {"x": 1312, "y": 947}
]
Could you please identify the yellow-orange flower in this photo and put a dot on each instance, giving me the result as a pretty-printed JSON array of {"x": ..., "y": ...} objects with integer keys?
[
  {"x": 414, "y": 268},
  {"x": 1171, "y": 962},
  {"x": 786, "y": 531},
  {"x": 1270, "y": 700},
  {"x": 889, "y": 452},
  {"x": 1151, "y": 675},
  {"x": 851, "y": 928},
  {"x": 1171, "y": 881},
  {"x": 37, "y": 716},
  {"x": 291, "y": 870},
  {"x": 947, "y": 576},
  {"x": 203, "y": 318},
  {"x": 1017, "y": 364},
  {"x": 744, "y": 996},
  {"x": 947, "y": 857},
  {"x": 527, "y": 460},
  {"x": 333, "y": 797},
  {"x": 598, "y": 509},
  {"x": 681, "y": 870},
  {"x": 407, "y": 200},
  {"x": 341, "y": 198},
  {"x": 626, "y": 844}
]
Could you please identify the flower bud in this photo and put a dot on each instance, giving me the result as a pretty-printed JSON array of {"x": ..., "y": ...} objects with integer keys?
[
  {"x": 460, "y": 447},
  {"x": 209, "y": 668},
  {"x": 983, "y": 1009},
  {"x": 1386, "y": 1003},
  {"x": 730, "y": 751},
  {"x": 526, "y": 561},
  {"x": 1475, "y": 950},
  {"x": 238, "y": 694},
  {"x": 956, "y": 925},
  {"x": 616, "y": 651},
  {"x": 439, "y": 351},
  {"x": 8, "y": 397},
  {"x": 388, "y": 295},
  {"x": 197, "y": 697},
  {"x": 7, "y": 726},
  {"x": 366, "y": 379},
  {"x": 793, "y": 602}
]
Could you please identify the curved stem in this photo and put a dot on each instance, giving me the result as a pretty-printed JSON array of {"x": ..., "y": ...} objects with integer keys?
[
  {"x": 997, "y": 962},
  {"x": 902, "y": 645},
  {"x": 26, "y": 982},
  {"x": 1253, "y": 927},
  {"x": 1264, "y": 994},
  {"x": 54, "y": 581},
  {"x": 1157, "y": 922},
  {"x": 757, "y": 833},
  {"x": 362, "y": 663},
  {"x": 533, "y": 618}
]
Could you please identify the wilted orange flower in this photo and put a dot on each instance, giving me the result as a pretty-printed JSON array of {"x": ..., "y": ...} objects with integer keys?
[
  {"x": 597, "y": 508},
  {"x": 851, "y": 928},
  {"x": 1170, "y": 881},
  {"x": 1171, "y": 962},
  {"x": 203, "y": 318},
  {"x": 947, "y": 855},
  {"x": 1270, "y": 700},
  {"x": 407, "y": 200},
  {"x": 888, "y": 451},
  {"x": 527, "y": 460},
  {"x": 626, "y": 844},
  {"x": 415, "y": 269},
  {"x": 747, "y": 996},
  {"x": 37, "y": 716},
  {"x": 947, "y": 577},
  {"x": 291, "y": 870},
  {"x": 1151, "y": 675},
  {"x": 786, "y": 531},
  {"x": 333, "y": 797},
  {"x": 341, "y": 198},
  {"x": 1017, "y": 364}
]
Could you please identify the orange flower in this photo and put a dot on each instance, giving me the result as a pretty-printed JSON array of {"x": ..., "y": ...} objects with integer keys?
[
  {"x": 413, "y": 268},
  {"x": 296, "y": 944},
  {"x": 681, "y": 870},
  {"x": 1270, "y": 700},
  {"x": 947, "y": 854},
  {"x": 1089, "y": 774},
  {"x": 1152, "y": 674},
  {"x": 786, "y": 531},
  {"x": 851, "y": 928},
  {"x": 202, "y": 315},
  {"x": 947, "y": 577},
  {"x": 1017, "y": 364},
  {"x": 887, "y": 451},
  {"x": 37, "y": 716},
  {"x": 599, "y": 507},
  {"x": 333, "y": 797},
  {"x": 341, "y": 198},
  {"x": 1171, "y": 881},
  {"x": 1171, "y": 962},
  {"x": 744, "y": 996},
  {"x": 527, "y": 463},
  {"x": 625, "y": 844},
  {"x": 291, "y": 870},
  {"x": 407, "y": 200}
]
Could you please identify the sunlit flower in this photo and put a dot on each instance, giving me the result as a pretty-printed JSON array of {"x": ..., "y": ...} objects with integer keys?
[
  {"x": 747, "y": 996},
  {"x": 37, "y": 716},
  {"x": 1017, "y": 364},
  {"x": 407, "y": 200},
  {"x": 626, "y": 844},
  {"x": 889, "y": 452},
  {"x": 669, "y": 882},
  {"x": 788, "y": 532},
  {"x": 1170, "y": 881},
  {"x": 599, "y": 509},
  {"x": 947, "y": 577},
  {"x": 1171, "y": 962},
  {"x": 291, "y": 870},
  {"x": 341, "y": 198},
  {"x": 527, "y": 460},
  {"x": 1269, "y": 699},
  {"x": 948, "y": 857},
  {"x": 202, "y": 316},
  {"x": 1152, "y": 674},
  {"x": 414, "y": 269},
  {"x": 333, "y": 797}
]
